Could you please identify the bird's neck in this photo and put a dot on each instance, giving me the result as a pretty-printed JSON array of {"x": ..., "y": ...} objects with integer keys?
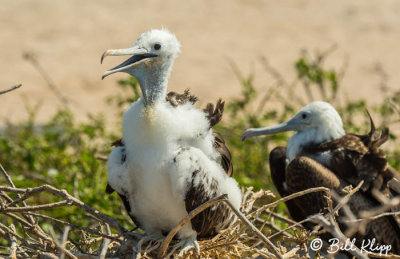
[
  {"x": 153, "y": 82},
  {"x": 311, "y": 136}
]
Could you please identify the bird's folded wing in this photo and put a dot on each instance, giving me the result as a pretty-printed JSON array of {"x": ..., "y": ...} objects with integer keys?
[
  {"x": 116, "y": 176},
  {"x": 197, "y": 180},
  {"x": 222, "y": 149}
]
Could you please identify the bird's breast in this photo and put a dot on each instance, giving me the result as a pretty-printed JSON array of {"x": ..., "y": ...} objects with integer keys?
[{"x": 323, "y": 158}]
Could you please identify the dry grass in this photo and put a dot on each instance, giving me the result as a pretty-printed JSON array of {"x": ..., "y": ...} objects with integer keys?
[
  {"x": 259, "y": 231},
  {"x": 247, "y": 237}
]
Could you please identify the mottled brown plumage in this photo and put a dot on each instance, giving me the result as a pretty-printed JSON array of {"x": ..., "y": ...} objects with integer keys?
[
  {"x": 212, "y": 220},
  {"x": 118, "y": 143},
  {"x": 352, "y": 158},
  {"x": 301, "y": 174},
  {"x": 277, "y": 164},
  {"x": 222, "y": 149},
  {"x": 208, "y": 223},
  {"x": 214, "y": 113},
  {"x": 176, "y": 99},
  {"x": 357, "y": 157}
]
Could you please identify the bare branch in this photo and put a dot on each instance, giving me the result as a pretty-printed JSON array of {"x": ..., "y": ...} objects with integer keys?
[
  {"x": 70, "y": 200},
  {"x": 11, "y": 183},
  {"x": 64, "y": 240},
  {"x": 106, "y": 242},
  {"x": 10, "y": 89},
  {"x": 36, "y": 207},
  {"x": 13, "y": 249},
  {"x": 61, "y": 247},
  {"x": 346, "y": 198},
  {"x": 294, "y": 195},
  {"x": 86, "y": 229},
  {"x": 8, "y": 178}
]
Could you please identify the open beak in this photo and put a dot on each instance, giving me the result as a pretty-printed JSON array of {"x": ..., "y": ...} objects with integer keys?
[
  {"x": 138, "y": 55},
  {"x": 292, "y": 125}
]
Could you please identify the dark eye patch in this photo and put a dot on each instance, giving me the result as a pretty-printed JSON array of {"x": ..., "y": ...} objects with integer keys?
[
  {"x": 157, "y": 46},
  {"x": 304, "y": 116}
]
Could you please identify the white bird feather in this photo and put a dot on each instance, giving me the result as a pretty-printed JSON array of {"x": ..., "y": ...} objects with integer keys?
[{"x": 163, "y": 145}]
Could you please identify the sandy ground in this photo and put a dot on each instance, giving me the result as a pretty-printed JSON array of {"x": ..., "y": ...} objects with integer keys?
[{"x": 68, "y": 38}]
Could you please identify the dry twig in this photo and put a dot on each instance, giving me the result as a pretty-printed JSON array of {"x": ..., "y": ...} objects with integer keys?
[
  {"x": 250, "y": 236},
  {"x": 10, "y": 89}
]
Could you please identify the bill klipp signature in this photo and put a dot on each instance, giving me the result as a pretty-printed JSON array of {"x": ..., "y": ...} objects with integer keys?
[{"x": 367, "y": 246}]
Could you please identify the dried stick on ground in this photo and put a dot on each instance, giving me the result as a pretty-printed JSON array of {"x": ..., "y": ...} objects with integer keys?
[
  {"x": 13, "y": 250},
  {"x": 294, "y": 195},
  {"x": 85, "y": 229},
  {"x": 8, "y": 207},
  {"x": 61, "y": 247},
  {"x": 297, "y": 224},
  {"x": 69, "y": 200}
]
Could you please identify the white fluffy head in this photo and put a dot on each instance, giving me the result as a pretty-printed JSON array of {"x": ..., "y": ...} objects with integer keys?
[
  {"x": 160, "y": 42},
  {"x": 322, "y": 116},
  {"x": 316, "y": 122},
  {"x": 152, "y": 57}
]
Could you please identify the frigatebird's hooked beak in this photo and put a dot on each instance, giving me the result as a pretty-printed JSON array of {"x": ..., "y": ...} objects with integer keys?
[
  {"x": 138, "y": 53},
  {"x": 294, "y": 124}
]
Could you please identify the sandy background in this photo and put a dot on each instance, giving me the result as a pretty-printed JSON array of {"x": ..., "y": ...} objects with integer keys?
[{"x": 68, "y": 38}]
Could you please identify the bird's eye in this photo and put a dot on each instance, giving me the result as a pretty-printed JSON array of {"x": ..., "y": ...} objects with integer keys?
[
  {"x": 157, "y": 46},
  {"x": 304, "y": 116}
]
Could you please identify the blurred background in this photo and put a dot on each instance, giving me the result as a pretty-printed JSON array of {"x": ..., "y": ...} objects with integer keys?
[{"x": 67, "y": 38}]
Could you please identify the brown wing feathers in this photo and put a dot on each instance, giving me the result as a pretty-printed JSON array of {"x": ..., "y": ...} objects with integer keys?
[
  {"x": 226, "y": 158},
  {"x": 176, "y": 99},
  {"x": 359, "y": 157},
  {"x": 214, "y": 115},
  {"x": 118, "y": 143}
]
